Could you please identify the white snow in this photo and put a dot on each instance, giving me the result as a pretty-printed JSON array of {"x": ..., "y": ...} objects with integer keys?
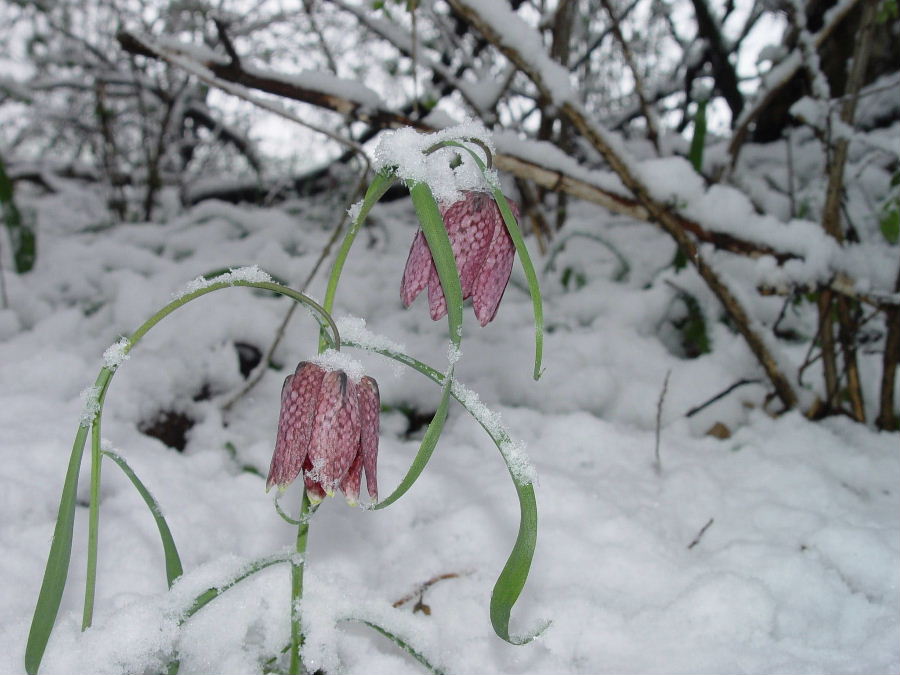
[
  {"x": 353, "y": 329},
  {"x": 252, "y": 274},
  {"x": 117, "y": 353},
  {"x": 796, "y": 573},
  {"x": 404, "y": 149},
  {"x": 90, "y": 405},
  {"x": 332, "y": 360}
]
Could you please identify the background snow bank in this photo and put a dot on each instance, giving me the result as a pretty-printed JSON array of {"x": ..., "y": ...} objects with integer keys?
[{"x": 798, "y": 570}]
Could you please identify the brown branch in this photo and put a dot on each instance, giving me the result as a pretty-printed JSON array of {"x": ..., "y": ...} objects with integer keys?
[
  {"x": 520, "y": 167},
  {"x": 767, "y": 95},
  {"x": 661, "y": 213},
  {"x": 723, "y": 71},
  {"x": 701, "y": 533},
  {"x": 646, "y": 110},
  {"x": 831, "y": 222},
  {"x": 419, "y": 593},
  {"x": 887, "y": 418}
]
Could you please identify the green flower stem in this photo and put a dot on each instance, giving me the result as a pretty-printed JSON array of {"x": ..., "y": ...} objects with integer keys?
[
  {"x": 59, "y": 558},
  {"x": 297, "y": 584},
  {"x": 90, "y": 582}
]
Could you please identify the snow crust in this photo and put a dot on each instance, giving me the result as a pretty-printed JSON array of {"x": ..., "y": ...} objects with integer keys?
[
  {"x": 404, "y": 149},
  {"x": 117, "y": 353},
  {"x": 332, "y": 359},
  {"x": 252, "y": 273}
]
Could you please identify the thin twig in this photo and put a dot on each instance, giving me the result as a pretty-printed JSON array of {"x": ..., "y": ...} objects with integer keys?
[
  {"x": 649, "y": 114},
  {"x": 657, "y": 464},
  {"x": 740, "y": 383},
  {"x": 662, "y": 213},
  {"x": 701, "y": 533},
  {"x": 419, "y": 593},
  {"x": 222, "y": 28}
]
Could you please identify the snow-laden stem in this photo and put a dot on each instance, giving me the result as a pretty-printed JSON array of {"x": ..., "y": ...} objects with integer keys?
[{"x": 297, "y": 584}]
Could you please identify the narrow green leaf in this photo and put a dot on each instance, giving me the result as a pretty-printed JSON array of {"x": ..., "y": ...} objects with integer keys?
[
  {"x": 512, "y": 578},
  {"x": 442, "y": 252},
  {"x": 530, "y": 276},
  {"x": 698, "y": 141},
  {"x": 56, "y": 572},
  {"x": 376, "y": 190},
  {"x": 426, "y": 449},
  {"x": 403, "y": 644},
  {"x": 21, "y": 231},
  {"x": 890, "y": 224},
  {"x": 211, "y": 594},
  {"x": 435, "y": 232},
  {"x": 57, "y": 562},
  {"x": 173, "y": 560},
  {"x": 524, "y": 257}
]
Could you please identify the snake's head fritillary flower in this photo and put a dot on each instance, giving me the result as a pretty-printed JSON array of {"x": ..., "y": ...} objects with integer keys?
[
  {"x": 484, "y": 254},
  {"x": 328, "y": 431}
]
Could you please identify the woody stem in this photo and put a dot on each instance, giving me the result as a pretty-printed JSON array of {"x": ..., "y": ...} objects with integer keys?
[{"x": 297, "y": 584}]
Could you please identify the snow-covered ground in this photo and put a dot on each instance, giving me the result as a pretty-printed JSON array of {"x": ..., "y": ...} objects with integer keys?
[{"x": 774, "y": 550}]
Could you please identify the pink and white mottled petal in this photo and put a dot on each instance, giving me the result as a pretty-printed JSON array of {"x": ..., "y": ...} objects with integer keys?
[
  {"x": 494, "y": 274},
  {"x": 298, "y": 405},
  {"x": 437, "y": 303},
  {"x": 419, "y": 266},
  {"x": 369, "y": 411},
  {"x": 470, "y": 227},
  {"x": 335, "y": 436},
  {"x": 351, "y": 480}
]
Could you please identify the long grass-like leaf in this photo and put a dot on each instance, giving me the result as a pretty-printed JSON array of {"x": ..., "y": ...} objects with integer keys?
[
  {"x": 444, "y": 261},
  {"x": 170, "y": 550},
  {"x": 379, "y": 185},
  {"x": 400, "y": 642},
  {"x": 524, "y": 257},
  {"x": 57, "y": 570},
  {"x": 698, "y": 141},
  {"x": 211, "y": 594},
  {"x": 512, "y": 578}
]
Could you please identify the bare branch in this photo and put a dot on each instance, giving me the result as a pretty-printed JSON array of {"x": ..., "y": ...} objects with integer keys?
[{"x": 600, "y": 140}]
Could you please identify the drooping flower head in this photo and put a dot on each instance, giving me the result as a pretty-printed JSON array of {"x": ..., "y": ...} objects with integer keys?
[
  {"x": 328, "y": 431},
  {"x": 484, "y": 254}
]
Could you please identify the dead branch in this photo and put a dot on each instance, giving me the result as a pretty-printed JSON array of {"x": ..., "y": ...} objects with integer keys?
[
  {"x": 887, "y": 418},
  {"x": 831, "y": 222},
  {"x": 419, "y": 593},
  {"x": 717, "y": 54},
  {"x": 646, "y": 110},
  {"x": 661, "y": 213},
  {"x": 701, "y": 533},
  {"x": 783, "y": 74},
  {"x": 657, "y": 462},
  {"x": 382, "y": 118}
]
